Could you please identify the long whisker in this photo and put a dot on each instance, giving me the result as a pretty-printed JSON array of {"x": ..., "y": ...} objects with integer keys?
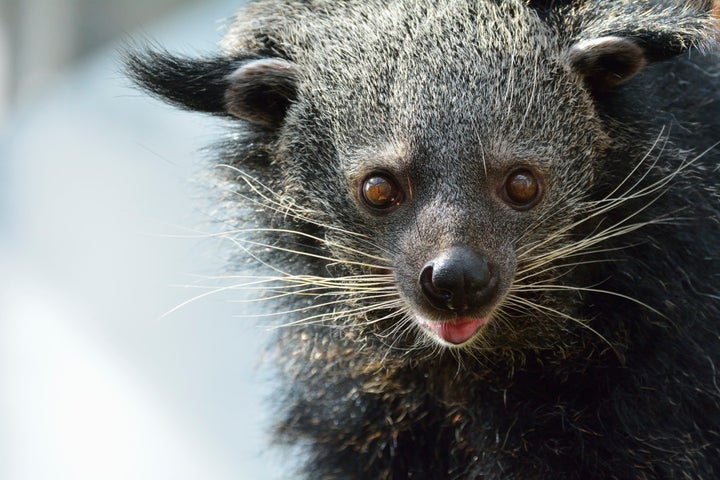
[
  {"x": 548, "y": 287},
  {"x": 323, "y": 317},
  {"x": 553, "y": 312},
  {"x": 279, "y": 204},
  {"x": 594, "y": 209},
  {"x": 298, "y": 233},
  {"x": 563, "y": 268},
  {"x": 268, "y": 199},
  {"x": 239, "y": 241},
  {"x": 315, "y": 292}
]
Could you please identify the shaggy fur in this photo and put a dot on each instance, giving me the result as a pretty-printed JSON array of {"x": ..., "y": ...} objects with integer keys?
[{"x": 599, "y": 359}]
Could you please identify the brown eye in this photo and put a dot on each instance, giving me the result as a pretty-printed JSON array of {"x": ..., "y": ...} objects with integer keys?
[
  {"x": 380, "y": 192},
  {"x": 521, "y": 189}
]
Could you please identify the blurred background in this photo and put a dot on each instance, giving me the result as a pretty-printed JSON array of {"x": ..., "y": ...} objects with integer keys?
[{"x": 104, "y": 230}]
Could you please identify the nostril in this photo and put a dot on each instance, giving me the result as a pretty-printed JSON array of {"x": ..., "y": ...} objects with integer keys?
[
  {"x": 457, "y": 280},
  {"x": 439, "y": 298}
]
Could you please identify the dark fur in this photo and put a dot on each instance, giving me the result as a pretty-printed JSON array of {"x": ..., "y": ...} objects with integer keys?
[{"x": 612, "y": 375}]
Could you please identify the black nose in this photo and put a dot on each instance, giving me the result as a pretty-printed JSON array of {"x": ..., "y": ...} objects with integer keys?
[{"x": 458, "y": 280}]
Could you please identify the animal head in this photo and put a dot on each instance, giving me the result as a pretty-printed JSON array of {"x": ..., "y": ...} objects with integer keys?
[{"x": 441, "y": 158}]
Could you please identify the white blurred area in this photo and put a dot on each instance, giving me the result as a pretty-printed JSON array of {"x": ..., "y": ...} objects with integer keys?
[{"x": 99, "y": 214}]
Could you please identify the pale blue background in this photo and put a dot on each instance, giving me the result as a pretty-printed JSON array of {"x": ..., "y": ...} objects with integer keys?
[{"x": 100, "y": 211}]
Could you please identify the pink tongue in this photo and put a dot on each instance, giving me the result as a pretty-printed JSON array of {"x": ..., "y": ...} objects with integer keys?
[{"x": 457, "y": 331}]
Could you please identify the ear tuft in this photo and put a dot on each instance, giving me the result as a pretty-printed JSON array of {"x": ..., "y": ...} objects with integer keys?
[
  {"x": 616, "y": 39},
  {"x": 194, "y": 84},
  {"x": 260, "y": 91},
  {"x": 606, "y": 62}
]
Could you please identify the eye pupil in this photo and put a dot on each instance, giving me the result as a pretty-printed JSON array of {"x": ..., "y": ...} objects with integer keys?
[
  {"x": 522, "y": 187},
  {"x": 380, "y": 192}
]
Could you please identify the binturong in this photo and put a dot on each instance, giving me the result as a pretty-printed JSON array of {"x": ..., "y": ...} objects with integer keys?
[{"x": 490, "y": 230}]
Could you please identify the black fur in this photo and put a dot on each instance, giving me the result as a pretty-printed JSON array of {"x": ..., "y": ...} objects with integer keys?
[
  {"x": 187, "y": 83},
  {"x": 599, "y": 358}
]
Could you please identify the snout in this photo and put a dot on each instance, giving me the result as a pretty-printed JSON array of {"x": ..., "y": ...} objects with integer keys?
[
  {"x": 459, "y": 280},
  {"x": 460, "y": 286}
]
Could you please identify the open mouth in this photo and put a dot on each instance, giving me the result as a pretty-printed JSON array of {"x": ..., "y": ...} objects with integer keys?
[{"x": 456, "y": 331}]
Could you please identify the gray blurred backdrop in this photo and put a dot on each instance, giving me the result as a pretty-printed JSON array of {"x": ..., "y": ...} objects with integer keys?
[
  {"x": 38, "y": 38},
  {"x": 104, "y": 229}
]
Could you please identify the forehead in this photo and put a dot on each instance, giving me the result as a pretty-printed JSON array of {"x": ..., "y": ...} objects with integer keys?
[
  {"x": 412, "y": 60},
  {"x": 445, "y": 80},
  {"x": 406, "y": 38}
]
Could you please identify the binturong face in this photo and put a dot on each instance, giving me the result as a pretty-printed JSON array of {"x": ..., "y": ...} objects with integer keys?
[
  {"x": 425, "y": 172},
  {"x": 458, "y": 159}
]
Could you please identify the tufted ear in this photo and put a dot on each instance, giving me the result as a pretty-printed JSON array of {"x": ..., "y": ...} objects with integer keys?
[
  {"x": 607, "y": 61},
  {"x": 258, "y": 90},
  {"x": 261, "y": 91},
  {"x": 620, "y": 37}
]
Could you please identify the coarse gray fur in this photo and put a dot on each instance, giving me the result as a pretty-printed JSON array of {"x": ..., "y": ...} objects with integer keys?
[{"x": 599, "y": 357}]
